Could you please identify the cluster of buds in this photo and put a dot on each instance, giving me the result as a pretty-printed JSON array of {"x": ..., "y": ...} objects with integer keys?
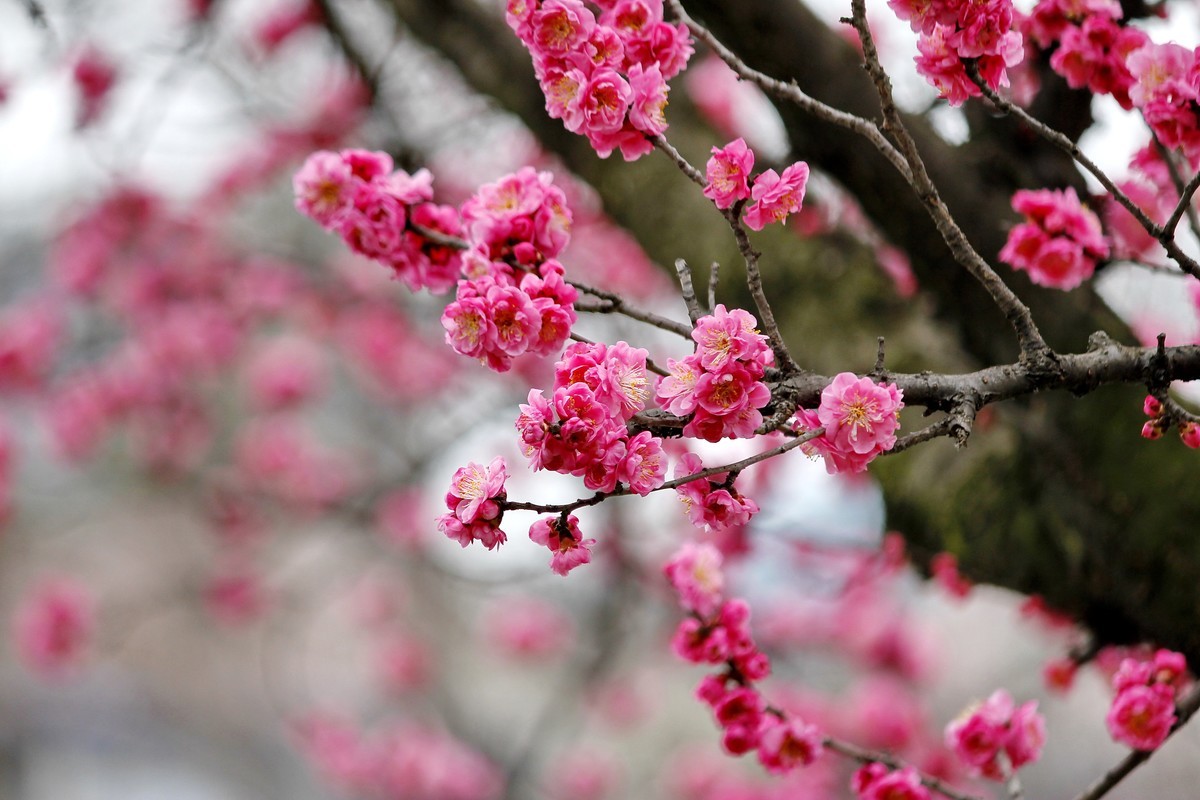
[
  {"x": 562, "y": 537},
  {"x": 1160, "y": 420},
  {"x": 1143, "y": 710},
  {"x": 605, "y": 77},
  {"x": 720, "y": 385},
  {"x": 717, "y": 631}
]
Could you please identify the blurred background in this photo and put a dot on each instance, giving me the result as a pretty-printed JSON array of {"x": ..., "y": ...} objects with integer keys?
[{"x": 225, "y": 440}]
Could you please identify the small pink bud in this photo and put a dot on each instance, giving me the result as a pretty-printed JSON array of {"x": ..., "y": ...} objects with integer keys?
[
  {"x": 1189, "y": 434},
  {"x": 1152, "y": 406},
  {"x": 1153, "y": 430}
]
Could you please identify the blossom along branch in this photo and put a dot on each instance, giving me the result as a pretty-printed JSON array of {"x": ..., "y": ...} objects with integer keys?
[
  {"x": 622, "y": 490},
  {"x": 614, "y": 303},
  {"x": 1173, "y": 170},
  {"x": 1165, "y": 233},
  {"x": 792, "y": 93},
  {"x": 1033, "y": 346},
  {"x": 1185, "y": 710}
]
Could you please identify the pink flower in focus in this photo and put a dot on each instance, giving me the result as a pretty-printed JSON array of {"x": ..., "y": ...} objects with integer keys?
[
  {"x": 566, "y": 543},
  {"x": 53, "y": 627},
  {"x": 728, "y": 173},
  {"x": 859, "y": 415},
  {"x": 776, "y": 196}
]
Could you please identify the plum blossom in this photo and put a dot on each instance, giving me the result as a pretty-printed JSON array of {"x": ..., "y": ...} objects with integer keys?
[
  {"x": 475, "y": 500},
  {"x": 1060, "y": 242},
  {"x": 985, "y": 732},
  {"x": 776, "y": 196},
  {"x": 565, "y": 541},
  {"x": 728, "y": 173}
]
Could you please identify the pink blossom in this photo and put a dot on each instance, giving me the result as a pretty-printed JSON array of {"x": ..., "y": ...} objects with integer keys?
[
  {"x": 694, "y": 571},
  {"x": 475, "y": 491},
  {"x": 475, "y": 501},
  {"x": 676, "y": 391},
  {"x": 648, "y": 102},
  {"x": 876, "y": 782},
  {"x": 53, "y": 626},
  {"x": 776, "y": 196},
  {"x": 1061, "y": 241},
  {"x": 1094, "y": 55},
  {"x": 985, "y": 730},
  {"x": 285, "y": 372},
  {"x": 644, "y": 466},
  {"x": 860, "y": 417},
  {"x": 725, "y": 337},
  {"x": 728, "y": 173},
  {"x": 708, "y": 504},
  {"x": 94, "y": 75},
  {"x": 566, "y": 543},
  {"x": 785, "y": 744},
  {"x": 1141, "y": 716},
  {"x": 560, "y": 26}
]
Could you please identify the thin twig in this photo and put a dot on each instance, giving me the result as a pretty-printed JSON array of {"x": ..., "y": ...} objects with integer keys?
[
  {"x": 689, "y": 291},
  {"x": 714, "y": 272},
  {"x": 685, "y": 166},
  {"x": 864, "y": 756},
  {"x": 791, "y": 93},
  {"x": 1033, "y": 346},
  {"x": 783, "y": 358},
  {"x": 614, "y": 303}
]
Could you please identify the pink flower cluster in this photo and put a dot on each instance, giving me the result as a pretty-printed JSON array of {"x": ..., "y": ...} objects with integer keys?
[
  {"x": 994, "y": 738},
  {"x": 876, "y": 781},
  {"x": 359, "y": 196},
  {"x": 1060, "y": 241},
  {"x": 1094, "y": 55},
  {"x": 1143, "y": 710},
  {"x": 775, "y": 196},
  {"x": 475, "y": 501},
  {"x": 605, "y": 77},
  {"x": 562, "y": 537},
  {"x": 950, "y": 31},
  {"x": 718, "y": 632},
  {"x": 1092, "y": 47},
  {"x": 514, "y": 299},
  {"x": 582, "y": 430},
  {"x": 860, "y": 418},
  {"x": 712, "y": 503},
  {"x": 720, "y": 385},
  {"x": 1167, "y": 90}
]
